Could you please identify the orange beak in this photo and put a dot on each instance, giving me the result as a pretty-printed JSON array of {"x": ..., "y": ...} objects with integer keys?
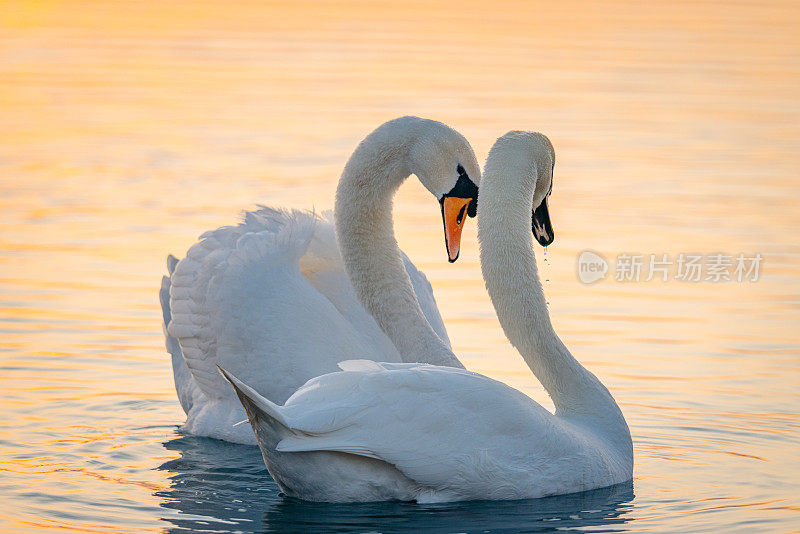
[{"x": 454, "y": 211}]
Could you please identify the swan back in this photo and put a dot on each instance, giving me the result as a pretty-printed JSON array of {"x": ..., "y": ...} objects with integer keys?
[{"x": 451, "y": 435}]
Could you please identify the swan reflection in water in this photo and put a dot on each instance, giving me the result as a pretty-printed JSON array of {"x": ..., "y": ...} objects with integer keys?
[{"x": 224, "y": 487}]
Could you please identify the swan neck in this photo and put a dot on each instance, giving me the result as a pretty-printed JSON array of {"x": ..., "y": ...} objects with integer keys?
[
  {"x": 372, "y": 258},
  {"x": 511, "y": 276}
]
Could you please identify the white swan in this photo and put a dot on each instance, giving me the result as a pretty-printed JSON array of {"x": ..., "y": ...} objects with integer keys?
[
  {"x": 270, "y": 300},
  {"x": 378, "y": 431}
]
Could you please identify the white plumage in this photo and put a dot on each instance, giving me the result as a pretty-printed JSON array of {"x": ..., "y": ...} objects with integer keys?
[
  {"x": 449, "y": 434},
  {"x": 270, "y": 300},
  {"x": 379, "y": 431}
]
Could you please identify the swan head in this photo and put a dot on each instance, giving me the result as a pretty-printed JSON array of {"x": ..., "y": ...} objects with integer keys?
[
  {"x": 445, "y": 163},
  {"x": 529, "y": 157}
]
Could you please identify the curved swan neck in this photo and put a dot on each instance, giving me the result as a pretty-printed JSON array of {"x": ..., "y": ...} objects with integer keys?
[
  {"x": 510, "y": 273},
  {"x": 372, "y": 258}
]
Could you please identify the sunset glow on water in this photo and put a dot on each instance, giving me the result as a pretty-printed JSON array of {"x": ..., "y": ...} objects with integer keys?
[{"x": 129, "y": 128}]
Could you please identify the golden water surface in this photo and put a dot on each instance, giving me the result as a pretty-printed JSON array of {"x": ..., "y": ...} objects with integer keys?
[{"x": 128, "y": 128}]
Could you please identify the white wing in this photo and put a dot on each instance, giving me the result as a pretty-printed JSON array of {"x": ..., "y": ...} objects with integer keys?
[
  {"x": 269, "y": 300},
  {"x": 452, "y": 431}
]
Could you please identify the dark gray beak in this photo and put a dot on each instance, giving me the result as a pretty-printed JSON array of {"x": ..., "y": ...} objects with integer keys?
[{"x": 541, "y": 226}]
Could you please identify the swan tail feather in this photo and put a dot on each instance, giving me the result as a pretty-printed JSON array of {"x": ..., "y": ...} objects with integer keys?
[
  {"x": 254, "y": 398},
  {"x": 275, "y": 432},
  {"x": 269, "y": 424}
]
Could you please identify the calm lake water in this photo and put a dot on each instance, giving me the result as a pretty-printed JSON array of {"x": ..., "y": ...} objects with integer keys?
[{"x": 129, "y": 128}]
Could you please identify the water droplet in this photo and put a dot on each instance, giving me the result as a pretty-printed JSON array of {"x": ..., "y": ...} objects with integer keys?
[{"x": 546, "y": 277}]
